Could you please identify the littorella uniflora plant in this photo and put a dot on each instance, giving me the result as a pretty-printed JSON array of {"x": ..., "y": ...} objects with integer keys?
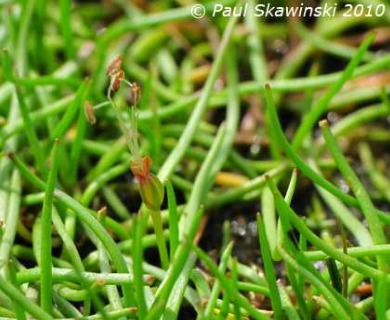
[{"x": 151, "y": 188}]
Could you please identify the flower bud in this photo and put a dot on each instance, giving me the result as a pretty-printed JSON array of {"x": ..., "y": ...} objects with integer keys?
[
  {"x": 152, "y": 192},
  {"x": 151, "y": 188}
]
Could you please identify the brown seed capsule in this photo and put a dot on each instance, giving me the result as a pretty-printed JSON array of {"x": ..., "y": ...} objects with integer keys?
[
  {"x": 89, "y": 113},
  {"x": 115, "y": 66},
  {"x": 135, "y": 91},
  {"x": 118, "y": 78}
]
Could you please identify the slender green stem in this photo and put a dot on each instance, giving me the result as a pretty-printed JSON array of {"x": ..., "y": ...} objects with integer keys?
[
  {"x": 11, "y": 221},
  {"x": 228, "y": 286},
  {"x": 301, "y": 164},
  {"x": 31, "y": 133},
  {"x": 70, "y": 275},
  {"x": 22, "y": 39},
  {"x": 359, "y": 190},
  {"x": 269, "y": 217},
  {"x": 381, "y": 298},
  {"x": 352, "y": 223},
  {"x": 259, "y": 66},
  {"x": 337, "y": 308},
  {"x": 46, "y": 235},
  {"x": 116, "y": 203},
  {"x": 71, "y": 112},
  {"x": 18, "y": 297},
  {"x": 320, "y": 42},
  {"x": 112, "y": 291},
  {"x": 288, "y": 197},
  {"x": 378, "y": 179},
  {"x": 356, "y": 252},
  {"x": 173, "y": 219},
  {"x": 89, "y": 220},
  {"x": 17, "y": 125},
  {"x": 334, "y": 274},
  {"x": 320, "y": 106},
  {"x": 68, "y": 244},
  {"x": 66, "y": 26},
  {"x": 269, "y": 269},
  {"x": 288, "y": 306},
  {"x": 76, "y": 149},
  {"x": 20, "y": 313},
  {"x": 182, "y": 257},
  {"x": 175, "y": 156},
  {"x": 137, "y": 264},
  {"x": 319, "y": 243},
  {"x": 243, "y": 192},
  {"x": 217, "y": 286},
  {"x": 108, "y": 159},
  {"x": 102, "y": 180},
  {"x": 162, "y": 248}
]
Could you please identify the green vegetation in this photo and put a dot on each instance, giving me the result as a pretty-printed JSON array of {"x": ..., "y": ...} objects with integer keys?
[{"x": 158, "y": 166}]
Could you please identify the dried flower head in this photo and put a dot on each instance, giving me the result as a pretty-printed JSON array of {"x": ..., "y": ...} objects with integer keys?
[
  {"x": 89, "y": 112},
  {"x": 135, "y": 93},
  {"x": 141, "y": 168},
  {"x": 115, "y": 66},
  {"x": 117, "y": 79},
  {"x": 116, "y": 74}
]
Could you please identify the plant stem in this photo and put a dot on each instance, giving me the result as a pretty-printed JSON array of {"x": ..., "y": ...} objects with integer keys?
[
  {"x": 365, "y": 203},
  {"x": 46, "y": 235},
  {"x": 161, "y": 244}
]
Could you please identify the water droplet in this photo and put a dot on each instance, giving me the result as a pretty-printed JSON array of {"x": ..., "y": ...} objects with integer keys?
[
  {"x": 354, "y": 298},
  {"x": 332, "y": 117},
  {"x": 280, "y": 46},
  {"x": 252, "y": 228},
  {"x": 255, "y": 146},
  {"x": 238, "y": 228},
  {"x": 343, "y": 185},
  {"x": 320, "y": 265}
]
